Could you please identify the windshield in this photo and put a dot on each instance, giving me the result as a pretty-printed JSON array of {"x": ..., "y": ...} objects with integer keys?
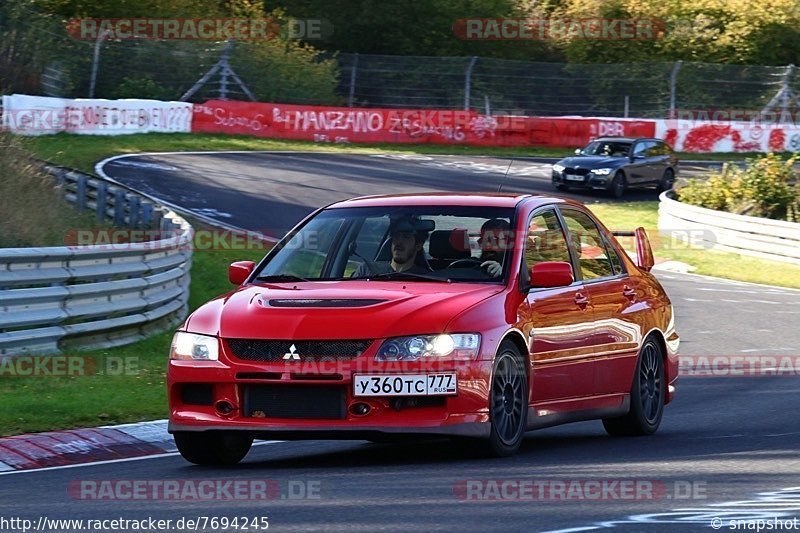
[
  {"x": 414, "y": 244},
  {"x": 607, "y": 148}
]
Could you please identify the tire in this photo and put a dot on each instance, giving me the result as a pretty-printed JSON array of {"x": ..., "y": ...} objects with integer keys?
[
  {"x": 667, "y": 181},
  {"x": 508, "y": 402},
  {"x": 213, "y": 448},
  {"x": 561, "y": 187},
  {"x": 618, "y": 185},
  {"x": 647, "y": 395}
]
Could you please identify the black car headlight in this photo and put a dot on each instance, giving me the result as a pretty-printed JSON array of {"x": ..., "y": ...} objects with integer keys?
[
  {"x": 601, "y": 171},
  {"x": 413, "y": 348}
]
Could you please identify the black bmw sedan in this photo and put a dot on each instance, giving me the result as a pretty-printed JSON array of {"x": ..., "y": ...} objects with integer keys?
[{"x": 616, "y": 164}]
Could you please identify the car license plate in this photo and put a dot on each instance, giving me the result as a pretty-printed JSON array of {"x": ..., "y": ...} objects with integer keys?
[
  {"x": 573, "y": 177},
  {"x": 404, "y": 385}
]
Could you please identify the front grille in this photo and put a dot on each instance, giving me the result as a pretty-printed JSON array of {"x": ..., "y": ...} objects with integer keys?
[
  {"x": 270, "y": 351},
  {"x": 576, "y": 171},
  {"x": 293, "y": 401}
]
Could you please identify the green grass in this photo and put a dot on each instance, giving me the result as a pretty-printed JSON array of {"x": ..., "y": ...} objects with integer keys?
[
  {"x": 631, "y": 215},
  {"x": 83, "y": 151}
]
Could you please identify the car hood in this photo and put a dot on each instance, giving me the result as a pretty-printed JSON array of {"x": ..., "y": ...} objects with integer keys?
[
  {"x": 337, "y": 310},
  {"x": 592, "y": 161}
]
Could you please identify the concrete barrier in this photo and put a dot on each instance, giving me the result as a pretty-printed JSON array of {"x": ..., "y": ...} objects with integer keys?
[{"x": 776, "y": 240}]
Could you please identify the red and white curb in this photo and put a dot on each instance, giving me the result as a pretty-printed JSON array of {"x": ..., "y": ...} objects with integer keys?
[{"x": 89, "y": 445}]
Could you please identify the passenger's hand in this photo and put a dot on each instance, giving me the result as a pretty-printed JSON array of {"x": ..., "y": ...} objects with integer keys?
[{"x": 493, "y": 268}]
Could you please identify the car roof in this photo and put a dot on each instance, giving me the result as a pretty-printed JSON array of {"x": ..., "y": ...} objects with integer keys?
[
  {"x": 445, "y": 198},
  {"x": 627, "y": 139}
]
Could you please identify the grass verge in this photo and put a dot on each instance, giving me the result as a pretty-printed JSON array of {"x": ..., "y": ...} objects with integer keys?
[{"x": 24, "y": 189}]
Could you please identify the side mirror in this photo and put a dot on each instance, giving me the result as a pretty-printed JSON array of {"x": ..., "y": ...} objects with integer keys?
[
  {"x": 577, "y": 151},
  {"x": 644, "y": 253},
  {"x": 551, "y": 274},
  {"x": 239, "y": 271}
]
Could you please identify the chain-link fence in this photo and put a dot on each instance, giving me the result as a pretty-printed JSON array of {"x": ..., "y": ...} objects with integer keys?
[{"x": 38, "y": 57}]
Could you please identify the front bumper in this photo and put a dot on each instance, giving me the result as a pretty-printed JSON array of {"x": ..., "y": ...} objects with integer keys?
[
  {"x": 464, "y": 413},
  {"x": 589, "y": 181}
]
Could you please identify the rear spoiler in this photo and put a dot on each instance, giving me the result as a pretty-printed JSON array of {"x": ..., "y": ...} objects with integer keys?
[{"x": 644, "y": 254}]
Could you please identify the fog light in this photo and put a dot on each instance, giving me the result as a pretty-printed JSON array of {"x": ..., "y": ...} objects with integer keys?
[
  {"x": 360, "y": 408},
  {"x": 223, "y": 407}
]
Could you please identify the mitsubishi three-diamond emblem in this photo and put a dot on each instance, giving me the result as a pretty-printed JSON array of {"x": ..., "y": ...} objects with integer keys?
[{"x": 292, "y": 354}]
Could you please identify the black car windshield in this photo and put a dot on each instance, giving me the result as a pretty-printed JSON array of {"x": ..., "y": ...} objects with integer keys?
[
  {"x": 418, "y": 244},
  {"x": 607, "y": 148}
]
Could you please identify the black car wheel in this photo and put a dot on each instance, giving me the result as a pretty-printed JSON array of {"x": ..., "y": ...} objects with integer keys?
[
  {"x": 618, "y": 184},
  {"x": 508, "y": 402},
  {"x": 648, "y": 392},
  {"x": 667, "y": 181},
  {"x": 213, "y": 448},
  {"x": 561, "y": 187}
]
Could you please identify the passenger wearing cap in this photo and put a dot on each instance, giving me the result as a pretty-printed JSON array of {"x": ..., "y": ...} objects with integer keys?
[
  {"x": 494, "y": 240},
  {"x": 407, "y": 241}
]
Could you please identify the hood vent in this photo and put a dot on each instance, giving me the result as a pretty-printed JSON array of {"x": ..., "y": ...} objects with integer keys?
[{"x": 324, "y": 302}]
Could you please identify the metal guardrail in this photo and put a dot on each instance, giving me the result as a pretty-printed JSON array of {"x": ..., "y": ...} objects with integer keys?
[
  {"x": 96, "y": 296},
  {"x": 759, "y": 237}
]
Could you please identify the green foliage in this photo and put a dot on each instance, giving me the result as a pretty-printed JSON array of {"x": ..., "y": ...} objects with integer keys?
[
  {"x": 716, "y": 31},
  {"x": 141, "y": 87},
  {"x": 766, "y": 187}
]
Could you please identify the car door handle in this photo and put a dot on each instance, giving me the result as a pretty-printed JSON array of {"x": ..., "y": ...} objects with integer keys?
[
  {"x": 629, "y": 292},
  {"x": 581, "y": 300}
]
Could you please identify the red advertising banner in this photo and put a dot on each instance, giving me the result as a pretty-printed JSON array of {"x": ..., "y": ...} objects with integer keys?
[{"x": 367, "y": 125}]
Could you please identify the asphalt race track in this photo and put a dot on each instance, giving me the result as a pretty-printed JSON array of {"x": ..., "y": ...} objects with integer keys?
[
  {"x": 271, "y": 191},
  {"x": 728, "y": 439}
]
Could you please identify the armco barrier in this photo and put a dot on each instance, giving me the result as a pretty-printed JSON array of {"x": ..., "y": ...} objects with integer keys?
[
  {"x": 759, "y": 237},
  {"x": 56, "y": 298}
]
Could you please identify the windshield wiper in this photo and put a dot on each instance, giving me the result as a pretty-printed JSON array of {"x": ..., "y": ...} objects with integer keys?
[
  {"x": 404, "y": 275},
  {"x": 281, "y": 277}
]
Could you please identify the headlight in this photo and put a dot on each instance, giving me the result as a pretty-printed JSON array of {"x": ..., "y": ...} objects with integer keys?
[
  {"x": 601, "y": 171},
  {"x": 455, "y": 346},
  {"x": 193, "y": 347},
  {"x": 558, "y": 168}
]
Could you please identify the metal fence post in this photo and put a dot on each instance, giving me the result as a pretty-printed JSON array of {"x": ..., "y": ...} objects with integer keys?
[
  {"x": 119, "y": 207},
  {"x": 147, "y": 214},
  {"x": 468, "y": 81},
  {"x": 353, "y": 70},
  {"x": 673, "y": 77},
  {"x": 102, "y": 190},
  {"x": 80, "y": 192},
  {"x": 96, "y": 62},
  {"x": 133, "y": 210}
]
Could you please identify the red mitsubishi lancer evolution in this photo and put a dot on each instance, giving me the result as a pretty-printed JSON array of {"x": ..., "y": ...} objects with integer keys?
[{"x": 477, "y": 317}]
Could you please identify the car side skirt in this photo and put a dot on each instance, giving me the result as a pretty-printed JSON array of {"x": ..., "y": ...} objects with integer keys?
[{"x": 539, "y": 421}]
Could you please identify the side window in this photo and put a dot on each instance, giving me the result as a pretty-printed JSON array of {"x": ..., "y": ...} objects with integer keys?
[
  {"x": 656, "y": 149},
  {"x": 545, "y": 240},
  {"x": 616, "y": 262},
  {"x": 587, "y": 242},
  {"x": 640, "y": 148}
]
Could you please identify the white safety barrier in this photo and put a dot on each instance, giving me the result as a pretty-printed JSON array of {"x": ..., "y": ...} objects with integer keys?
[
  {"x": 759, "y": 237},
  {"x": 41, "y": 115}
]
